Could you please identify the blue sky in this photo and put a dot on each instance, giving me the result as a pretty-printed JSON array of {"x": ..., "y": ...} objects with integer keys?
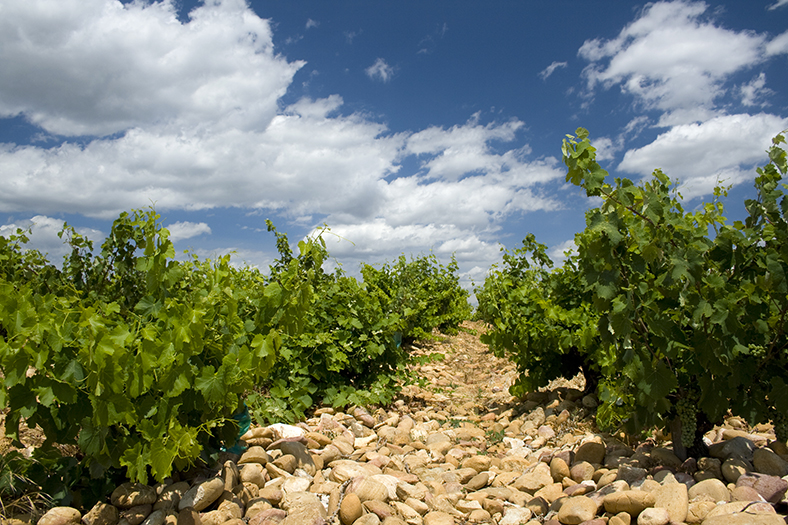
[{"x": 408, "y": 127}]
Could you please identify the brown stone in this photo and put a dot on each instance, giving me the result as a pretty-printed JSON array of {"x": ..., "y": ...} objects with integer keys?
[
  {"x": 382, "y": 510},
  {"x": 136, "y": 515},
  {"x": 101, "y": 514},
  {"x": 592, "y": 452},
  {"x": 734, "y": 467},
  {"x": 272, "y": 494},
  {"x": 61, "y": 516},
  {"x": 576, "y": 510},
  {"x": 534, "y": 480},
  {"x": 630, "y": 501},
  {"x": 559, "y": 469},
  {"x": 771, "y": 488},
  {"x": 438, "y": 518},
  {"x": 538, "y": 506},
  {"x": 675, "y": 498},
  {"x": 350, "y": 509},
  {"x": 765, "y": 461},
  {"x": 477, "y": 463},
  {"x": 711, "y": 490},
  {"x": 130, "y": 495},
  {"x": 171, "y": 496},
  {"x": 477, "y": 482},
  {"x": 189, "y": 516},
  {"x": 697, "y": 511},
  {"x": 582, "y": 471},
  {"x": 202, "y": 495},
  {"x": 255, "y": 454}
]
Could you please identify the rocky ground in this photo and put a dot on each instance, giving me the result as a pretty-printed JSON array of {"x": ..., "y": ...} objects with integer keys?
[{"x": 455, "y": 448}]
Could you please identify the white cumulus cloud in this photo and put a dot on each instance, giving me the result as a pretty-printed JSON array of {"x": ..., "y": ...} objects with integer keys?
[
  {"x": 94, "y": 67},
  {"x": 673, "y": 59},
  {"x": 723, "y": 151},
  {"x": 186, "y": 230}
]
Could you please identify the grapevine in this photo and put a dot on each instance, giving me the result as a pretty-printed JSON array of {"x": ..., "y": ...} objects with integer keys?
[{"x": 657, "y": 300}]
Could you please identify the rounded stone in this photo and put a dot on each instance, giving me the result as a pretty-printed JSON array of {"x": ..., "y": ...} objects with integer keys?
[
  {"x": 477, "y": 482},
  {"x": 591, "y": 451},
  {"x": 477, "y": 463},
  {"x": 350, "y": 509},
  {"x": 200, "y": 496},
  {"x": 189, "y": 516},
  {"x": 255, "y": 454},
  {"x": 576, "y": 510},
  {"x": 171, "y": 495},
  {"x": 286, "y": 462},
  {"x": 367, "y": 519},
  {"x": 736, "y": 507},
  {"x": 633, "y": 502},
  {"x": 368, "y": 489},
  {"x": 267, "y": 517},
  {"x": 771, "y": 488},
  {"x": 130, "y": 495},
  {"x": 101, "y": 514},
  {"x": 559, "y": 469},
  {"x": 157, "y": 517},
  {"x": 674, "y": 498},
  {"x": 581, "y": 471},
  {"x": 765, "y": 461},
  {"x": 734, "y": 467},
  {"x": 135, "y": 515},
  {"x": 744, "y": 494},
  {"x": 654, "y": 516},
  {"x": 438, "y": 518},
  {"x": 515, "y": 516},
  {"x": 61, "y": 516},
  {"x": 379, "y": 508},
  {"x": 697, "y": 511},
  {"x": 737, "y": 447},
  {"x": 534, "y": 480},
  {"x": 711, "y": 490}
]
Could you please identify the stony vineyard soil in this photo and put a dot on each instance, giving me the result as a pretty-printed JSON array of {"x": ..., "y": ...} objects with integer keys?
[{"x": 455, "y": 448}]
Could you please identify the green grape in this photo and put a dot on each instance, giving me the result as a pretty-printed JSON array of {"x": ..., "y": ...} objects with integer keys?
[
  {"x": 780, "y": 426},
  {"x": 688, "y": 414}
]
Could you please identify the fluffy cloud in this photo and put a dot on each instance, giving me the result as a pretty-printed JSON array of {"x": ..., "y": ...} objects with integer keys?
[
  {"x": 295, "y": 164},
  {"x": 778, "y": 45},
  {"x": 186, "y": 230},
  {"x": 94, "y": 67},
  {"x": 673, "y": 60},
  {"x": 753, "y": 91},
  {"x": 722, "y": 150}
]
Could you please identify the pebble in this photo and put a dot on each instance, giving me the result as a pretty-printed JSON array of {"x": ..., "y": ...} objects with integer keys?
[{"x": 61, "y": 516}]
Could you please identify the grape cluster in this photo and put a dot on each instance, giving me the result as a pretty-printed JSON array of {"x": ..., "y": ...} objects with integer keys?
[
  {"x": 780, "y": 421},
  {"x": 688, "y": 414}
]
